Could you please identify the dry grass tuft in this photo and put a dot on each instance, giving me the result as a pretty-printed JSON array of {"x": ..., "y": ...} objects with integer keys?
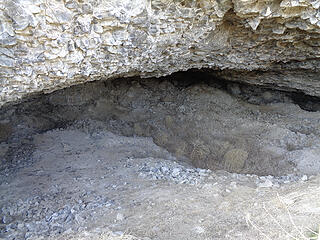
[{"x": 295, "y": 233}]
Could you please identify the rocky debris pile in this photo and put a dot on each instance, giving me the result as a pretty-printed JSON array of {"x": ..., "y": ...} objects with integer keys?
[
  {"x": 45, "y": 216},
  {"x": 34, "y": 217},
  {"x": 172, "y": 171},
  {"x": 159, "y": 169},
  {"x": 263, "y": 181},
  {"x": 271, "y": 181}
]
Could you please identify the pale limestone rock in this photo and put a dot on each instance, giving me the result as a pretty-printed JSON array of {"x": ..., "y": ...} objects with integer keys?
[{"x": 48, "y": 45}]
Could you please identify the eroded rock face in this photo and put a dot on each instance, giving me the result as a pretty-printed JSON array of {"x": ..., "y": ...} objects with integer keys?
[{"x": 47, "y": 45}]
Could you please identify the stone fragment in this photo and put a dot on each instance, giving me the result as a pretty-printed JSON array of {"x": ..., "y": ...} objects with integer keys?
[
  {"x": 120, "y": 217},
  {"x": 304, "y": 178},
  {"x": 7, "y": 40},
  {"x": 6, "y": 61},
  {"x": 175, "y": 172},
  {"x": 266, "y": 184}
]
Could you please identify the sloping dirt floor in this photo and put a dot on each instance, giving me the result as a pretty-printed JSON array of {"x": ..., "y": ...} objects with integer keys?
[
  {"x": 101, "y": 175},
  {"x": 105, "y": 186}
]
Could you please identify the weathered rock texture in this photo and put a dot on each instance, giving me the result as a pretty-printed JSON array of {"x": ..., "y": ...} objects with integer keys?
[{"x": 47, "y": 45}]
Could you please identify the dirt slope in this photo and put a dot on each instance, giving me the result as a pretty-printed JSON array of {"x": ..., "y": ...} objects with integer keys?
[{"x": 89, "y": 184}]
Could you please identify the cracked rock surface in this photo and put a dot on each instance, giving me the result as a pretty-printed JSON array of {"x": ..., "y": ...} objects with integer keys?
[{"x": 48, "y": 45}]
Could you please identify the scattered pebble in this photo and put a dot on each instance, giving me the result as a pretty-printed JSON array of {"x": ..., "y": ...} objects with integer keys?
[
  {"x": 304, "y": 178},
  {"x": 266, "y": 184},
  {"x": 29, "y": 218},
  {"x": 120, "y": 217},
  {"x": 199, "y": 230}
]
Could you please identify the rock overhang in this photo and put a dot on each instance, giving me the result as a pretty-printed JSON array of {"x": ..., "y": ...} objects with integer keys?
[{"x": 47, "y": 46}]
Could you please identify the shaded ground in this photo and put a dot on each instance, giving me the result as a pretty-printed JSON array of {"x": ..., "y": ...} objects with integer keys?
[
  {"x": 204, "y": 121},
  {"x": 129, "y": 159}
]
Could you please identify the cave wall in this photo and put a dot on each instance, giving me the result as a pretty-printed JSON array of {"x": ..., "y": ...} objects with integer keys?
[{"x": 48, "y": 45}]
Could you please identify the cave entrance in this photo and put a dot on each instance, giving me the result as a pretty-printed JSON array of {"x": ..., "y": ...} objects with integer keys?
[{"x": 201, "y": 119}]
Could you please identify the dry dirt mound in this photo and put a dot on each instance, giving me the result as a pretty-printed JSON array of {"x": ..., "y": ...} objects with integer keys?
[
  {"x": 85, "y": 184},
  {"x": 184, "y": 157}
]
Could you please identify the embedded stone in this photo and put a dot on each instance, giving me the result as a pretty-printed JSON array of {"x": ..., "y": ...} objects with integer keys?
[{"x": 6, "y": 61}]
